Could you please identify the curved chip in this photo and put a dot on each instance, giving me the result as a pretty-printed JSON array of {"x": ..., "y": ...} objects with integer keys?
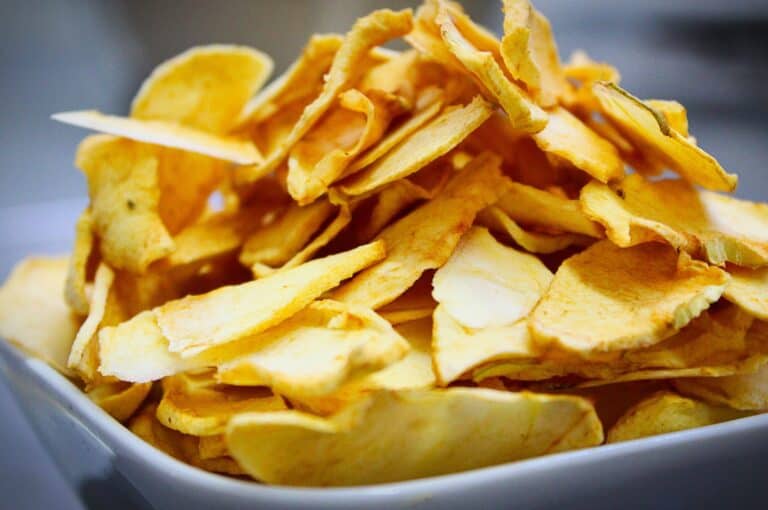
[
  {"x": 708, "y": 225},
  {"x": 499, "y": 221},
  {"x": 367, "y": 33},
  {"x": 74, "y": 287},
  {"x": 193, "y": 403},
  {"x": 667, "y": 412},
  {"x": 650, "y": 131},
  {"x": 530, "y": 53},
  {"x": 424, "y": 146},
  {"x": 749, "y": 289},
  {"x": 523, "y": 114},
  {"x": 205, "y": 87},
  {"x": 322, "y": 155},
  {"x": 119, "y": 399},
  {"x": 166, "y": 134},
  {"x": 566, "y": 137},
  {"x": 486, "y": 284},
  {"x": 425, "y": 238},
  {"x": 33, "y": 314},
  {"x": 582, "y": 68},
  {"x": 608, "y": 298},
  {"x": 535, "y": 207},
  {"x": 123, "y": 184},
  {"x": 82, "y": 355},
  {"x": 374, "y": 440},
  {"x": 316, "y": 351}
]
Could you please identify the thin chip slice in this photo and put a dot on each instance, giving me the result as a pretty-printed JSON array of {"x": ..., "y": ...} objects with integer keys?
[
  {"x": 416, "y": 303},
  {"x": 651, "y": 132},
  {"x": 33, "y": 314},
  {"x": 667, "y": 412},
  {"x": 425, "y": 238},
  {"x": 499, "y": 221},
  {"x": 530, "y": 53},
  {"x": 345, "y": 131},
  {"x": 374, "y": 440},
  {"x": 582, "y": 68},
  {"x": 749, "y": 290},
  {"x": 119, "y": 399},
  {"x": 708, "y": 225},
  {"x": 608, "y": 298},
  {"x": 193, "y": 403},
  {"x": 424, "y": 146},
  {"x": 166, "y": 134},
  {"x": 81, "y": 355},
  {"x": 75, "y": 286},
  {"x": 673, "y": 112},
  {"x": 123, "y": 187},
  {"x": 205, "y": 87},
  {"x": 539, "y": 208},
  {"x": 195, "y": 323},
  {"x": 316, "y": 351},
  {"x": 566, "y": 137},
  {"x": 485, "y": 283},
  {"x": 523, "y": 113},
  {"x": 367, "y": 33}
]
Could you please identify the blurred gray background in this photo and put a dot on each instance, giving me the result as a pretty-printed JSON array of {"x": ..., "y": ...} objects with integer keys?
[{"x": 72, "y": 54}]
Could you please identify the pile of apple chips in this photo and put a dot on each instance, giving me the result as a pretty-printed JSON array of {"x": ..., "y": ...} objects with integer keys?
[{"x": 389, "y": 265}]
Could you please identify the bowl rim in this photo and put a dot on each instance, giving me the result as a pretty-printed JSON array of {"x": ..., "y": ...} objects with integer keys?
[{"x": 109, "y": 430}]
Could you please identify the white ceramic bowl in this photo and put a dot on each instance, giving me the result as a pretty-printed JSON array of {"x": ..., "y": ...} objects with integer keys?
[{"x": 108, "y": 465}]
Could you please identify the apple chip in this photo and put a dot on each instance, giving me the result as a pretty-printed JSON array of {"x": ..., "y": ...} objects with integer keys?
[
  {"x": 193, "y": 403},
  {"x": 316, "y": 351},
  {"x": 749, "y": 289},
  {"x": 566, "y": 137},
  {"x": 166, "y": 134},
  {"x": 195, "y": 323},
  {"x": 211, "y": 447},
  {"x": 367, "y": 33},
  {"x": 530, "y": 53},
  {"x": 33, "y": 314},
  {"x": 539, "y": 208},
  {"x": 322, "y": 155},
  {"x": 651, "y": 132},
  {"x": 424, "y": 146},
  {"x": 75, "y": 285},
  {"x": 123, "y": 186},
  {"x": 608, "y": 298},
  {"x": 425, "y": 238},
  {"x": 708, "y": 225},
  {"x": 523, "y": 113},
  {"x": 82, "y": 355},
  {"x": 667, "y": 412},
  {"x": 119, "y": 399},
  {"x": 499, "y": 221},
  {"x": 485, "y": 283},
  {"x": 205, "y": 87},
  {"x": 582, "y": 68},
  {"x": 674, "y": 113},
  {"x": 374, "y": 440},
  {"x": 416, "y": 303}
]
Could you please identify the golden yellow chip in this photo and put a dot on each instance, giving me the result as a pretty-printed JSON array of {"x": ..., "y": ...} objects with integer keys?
[
  {"x": 33, "y": 314},
  {"x": 523, "y": 113},
  {"x": 485, "y": 283},
  {"x": 424, "y": 146},
  {"x": 499, "y": 221},
  {"x": 530, "y": 53},
  {"x": 166, "y": 134},
  {"x": 416, "y": 303},
  {"x": 749, "y": 289},
  {"x": 211, "y": 447},
  {"x": 566, "y": 137},
  {"x": 425, "y": 238},
  {"x": 608, "y": 298},
  {"x": 193, "y": 403},
  {"x": 316, "y": 351},
  {"x": 82, "y": 357},
  {"x": 708, "y": 225},
  {"x": 119, "y": 399},
  {"x": 673, "y": 112},
  {"x": 367, "y": 33},
  {"x": 125, "y": 195},
  {"x": 75, "y": 285},
  {"x": 374, "y": 441},
  {"x": 582, "y": 68},
  {"x": 205, "y": 87},
  {"x": 651, "y": 132},
  {"x": 667, "y": 412},
  {"x": 323, "y": 154},
  {"x": 547, "y": 211}
]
